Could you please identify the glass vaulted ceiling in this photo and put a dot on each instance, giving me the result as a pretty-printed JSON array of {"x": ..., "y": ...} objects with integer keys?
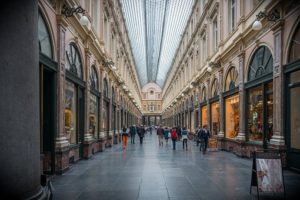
[{"x": 155, "y": 28}]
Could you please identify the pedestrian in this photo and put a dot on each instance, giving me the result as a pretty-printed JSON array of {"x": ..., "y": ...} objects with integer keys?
[
  {"x": 132, "y": 133},
  {"x": 197, "y": 135},
  {"x": 184, "y": 138},
  {"x": 160, "y": 134},
  {"x": 204, "y": 136},
  {"x": 174, "y": 137},
  {"x": 178, "y": 130},
  {"x": 141, "y": 133},
  {"x": 124, "y": 137},
  {"x": 166, "y": 134}
]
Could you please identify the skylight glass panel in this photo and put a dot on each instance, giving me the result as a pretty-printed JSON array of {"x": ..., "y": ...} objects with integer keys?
[
  {"x": 133, "y": 11},
  {"x": 155, "y": 28}
]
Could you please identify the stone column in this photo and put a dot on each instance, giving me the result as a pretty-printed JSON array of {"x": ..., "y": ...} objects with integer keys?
[
  {"x": 278, "y": 136},
  {"x": 242, "y": 100},
  {"x": 221, "y": 104},
  {"x": 19, "y": 105},
  {"x": 208, "y": 89},
  {"x": 61, "y": 143},
  {"x": 88, "y": 138},
  {"x": 110, "y": 134}
]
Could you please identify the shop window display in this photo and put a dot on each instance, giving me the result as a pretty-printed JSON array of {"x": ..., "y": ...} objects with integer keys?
[
  {"x": 204, "y": 115},
  {"x": 215, "y": 118},
  {"x": 70, "y": 112},
  {"x": 255, "y": 114},
  {"x": 232, "y": 116},
  {"x": 93, "y": 118}
]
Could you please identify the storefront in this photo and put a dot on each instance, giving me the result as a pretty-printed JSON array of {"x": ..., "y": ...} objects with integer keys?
[
  {"x": 94, "y": 104},
  {"x": 74, "y": 102},
  {"x": 214, "y": 108},
  {"x": 48, "y": 69},
  {"x": 259, "y": 101},
  {"x": 203, "y": 108},
  {"x": 231, "y": 101}
]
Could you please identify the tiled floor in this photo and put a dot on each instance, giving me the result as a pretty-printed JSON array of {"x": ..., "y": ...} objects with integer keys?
[{"x": 151, "y": 172}]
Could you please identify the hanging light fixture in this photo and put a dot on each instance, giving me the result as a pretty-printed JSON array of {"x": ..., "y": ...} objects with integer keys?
[
  {"x": 69, "y": 12},
  {"x": 272, "y": 17}
]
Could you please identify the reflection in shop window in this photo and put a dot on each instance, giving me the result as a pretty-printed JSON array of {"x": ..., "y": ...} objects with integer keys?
[
  {"x": 295, "y": 111},
  {"x": 93, "y": 119},
  {"x": 232, "y": 116},
  {"x": 204, "y": 115},
  {"x": 70, "y": 112},
  {"x": 255, "y": 114},
  {"x": 215, "y": 119}
]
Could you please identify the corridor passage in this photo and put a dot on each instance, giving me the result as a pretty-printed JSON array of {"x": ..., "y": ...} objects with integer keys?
[{"x": 151, "y": 172}]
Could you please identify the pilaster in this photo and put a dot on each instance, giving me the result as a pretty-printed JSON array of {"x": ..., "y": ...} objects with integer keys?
[
  {"x": 221, "y": 104},
  {"x": 278, "y": 136},
  {"x": 242, "y": 99}
]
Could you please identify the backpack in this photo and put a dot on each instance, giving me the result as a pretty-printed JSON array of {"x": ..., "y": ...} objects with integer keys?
[
  {"x": 184, "y": 132},
  {"x": 173, "y": 134}
]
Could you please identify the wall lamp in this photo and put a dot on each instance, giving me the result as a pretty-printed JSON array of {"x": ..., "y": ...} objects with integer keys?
[
  {"x": 69, "y": 12},
  {"x": 212, "y": 65},
  {"x": 272, "y": 17}
]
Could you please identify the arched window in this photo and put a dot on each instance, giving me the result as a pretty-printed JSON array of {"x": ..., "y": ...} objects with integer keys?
[
  {"x": 105, "y": 87},
  {"x": 73, "y": 64},
  {"x": 294, "y": 53},
  {"x": 203, "y": 94},
  {"x": 215, "y": 88},
  {"x": 261, "y": 63},
  {"x": 45, "y": 46},
  {"x": 231, "y": 79},
  {"x": 94, "y": 78}
]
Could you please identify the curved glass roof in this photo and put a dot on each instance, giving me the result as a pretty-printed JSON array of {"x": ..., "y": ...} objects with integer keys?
[{"x": 155, "y": 29}]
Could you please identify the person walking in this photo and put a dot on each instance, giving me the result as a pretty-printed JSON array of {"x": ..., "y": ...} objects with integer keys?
[
  {"x": 141, "y": 133},
  {"x": 160, "y": 134},
  {"x": 184, "y": 134},
  {"x": 204, "y": 136},
  {"x": 166, "y": 134},
  {"x": 132, "y": 133},
  {"x": 174, "y": 137},
  {"x": 124, "y": 137},
  {"x": 178, "y": 130},
  {"x": 198, "y": 135}
]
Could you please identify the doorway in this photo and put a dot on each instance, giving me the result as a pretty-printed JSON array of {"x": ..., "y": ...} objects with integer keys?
[{"x": 47, "y": 118}]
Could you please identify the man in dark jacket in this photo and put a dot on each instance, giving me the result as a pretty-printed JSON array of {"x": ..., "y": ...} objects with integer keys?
[
  {"x": 141, "y": 133},
  {"x": 132, "y": 133},
  {"x": 160, "y": 133},
  {"x": 204, "y": 135}
]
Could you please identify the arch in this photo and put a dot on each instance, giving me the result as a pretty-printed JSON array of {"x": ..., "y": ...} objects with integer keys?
[
  {"x": 105, "y": 87},
  {"x": 74, "y": 61},
  {"x": 231, "y": 80},
  {"x": 261, "y": 63},
  {"x": 294, "y": 46},
  {"x": 215, "y": 88},
  {"x": 94, "y": 78},
  {"x": 44, "y": 37}
]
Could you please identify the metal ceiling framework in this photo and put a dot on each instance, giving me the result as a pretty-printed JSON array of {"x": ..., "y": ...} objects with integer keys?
[{"x": 155, "y": 30}]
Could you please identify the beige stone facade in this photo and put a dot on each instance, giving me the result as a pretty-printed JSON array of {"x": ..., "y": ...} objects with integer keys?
[
  {"x": 232, "y": 78},
  {"x": 96, "y": 86}
]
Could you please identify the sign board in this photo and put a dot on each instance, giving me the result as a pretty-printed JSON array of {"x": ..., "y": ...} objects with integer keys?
[{"x": 267, "y": 173}]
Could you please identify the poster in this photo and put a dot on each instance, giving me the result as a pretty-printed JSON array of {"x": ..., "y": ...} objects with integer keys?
[{"x": 269, "y": 175}]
